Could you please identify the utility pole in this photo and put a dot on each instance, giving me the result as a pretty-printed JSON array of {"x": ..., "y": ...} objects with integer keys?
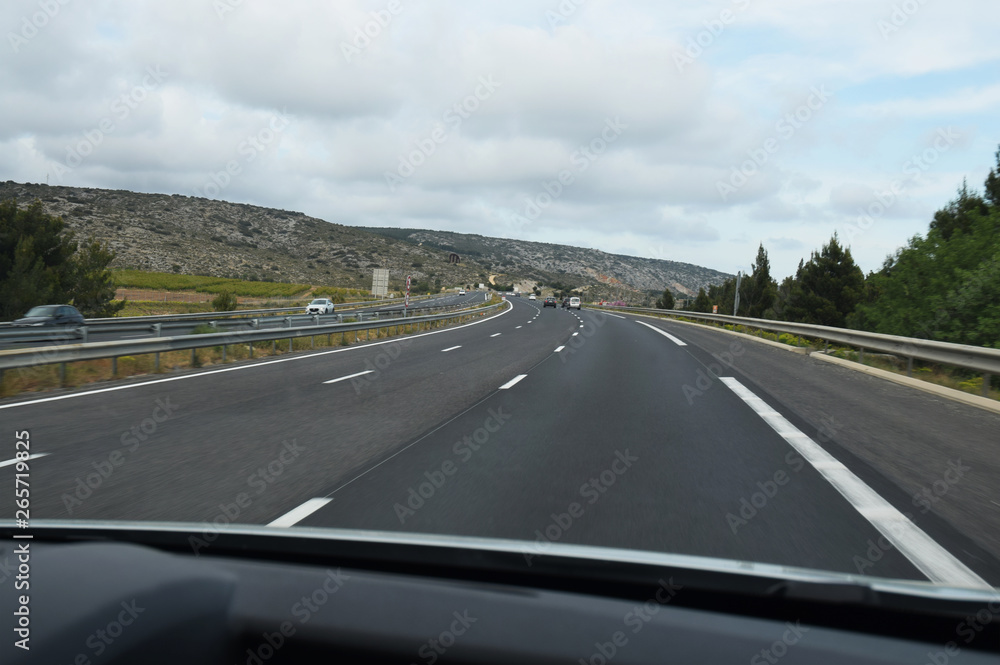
[{"x": 736, "y": 301}]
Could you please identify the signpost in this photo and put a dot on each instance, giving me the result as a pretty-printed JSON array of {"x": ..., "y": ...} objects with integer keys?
[{"x": 406, "y": 300}]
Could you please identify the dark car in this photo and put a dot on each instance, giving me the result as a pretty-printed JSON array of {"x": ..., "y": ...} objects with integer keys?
[
  {"x": 51, "y": 315},
  {"x": 565, "y": 303},
  {"x": 549, "y": 302}
]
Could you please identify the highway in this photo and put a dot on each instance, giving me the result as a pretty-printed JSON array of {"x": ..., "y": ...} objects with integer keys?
[{"x": 542, "y": 425}]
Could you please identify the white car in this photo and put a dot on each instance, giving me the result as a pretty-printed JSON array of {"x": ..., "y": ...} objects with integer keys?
[
  {"x": 461, "y": 292},
  {"x": 574, "y": 302},
  {"x": 320, "y": 306},
  {"x": 532, "y": 297}
]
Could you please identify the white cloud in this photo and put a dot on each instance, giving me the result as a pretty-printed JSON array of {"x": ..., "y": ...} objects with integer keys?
[{"x": 352, "y": 118}]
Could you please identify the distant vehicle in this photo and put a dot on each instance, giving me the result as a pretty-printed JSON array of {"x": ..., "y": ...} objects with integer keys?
[
  {"x": 549, "y": 302},
  {"x": 320, "y": 306},
  {"x": 565, "y": 303},
  {"x": 574, "y": 302},
  {"x": 517, "y": 294},
  {"x": 51, "y": 315},
  {"x": 532, "y": 297},
  {"x": 461, "y": 292}
]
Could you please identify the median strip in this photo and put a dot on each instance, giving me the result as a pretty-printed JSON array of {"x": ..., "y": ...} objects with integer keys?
[{"x": 939, "y": 565}]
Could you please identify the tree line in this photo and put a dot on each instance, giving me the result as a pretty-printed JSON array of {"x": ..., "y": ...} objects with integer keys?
[
  {"x": 42, "y": 262},
  {"x": 943, "y": 285}
]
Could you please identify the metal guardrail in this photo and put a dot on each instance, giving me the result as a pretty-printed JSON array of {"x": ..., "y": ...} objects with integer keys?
[
  {"x": 15, "y": 358},
  {"x": 977, "y": 358},
  {"x": 196, "y": 316},
  {"x": 158, "y": 322}
]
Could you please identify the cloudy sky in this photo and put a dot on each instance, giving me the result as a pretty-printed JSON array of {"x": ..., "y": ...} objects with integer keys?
[{"x": 689, "y": 131}]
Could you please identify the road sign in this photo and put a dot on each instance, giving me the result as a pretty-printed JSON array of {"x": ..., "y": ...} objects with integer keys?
[{"x": 380, "y": 282}]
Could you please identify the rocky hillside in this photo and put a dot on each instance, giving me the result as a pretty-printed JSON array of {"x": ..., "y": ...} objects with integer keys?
[
  {"x": 511, "y": 259},
  {"x": 175, "y": 233}
]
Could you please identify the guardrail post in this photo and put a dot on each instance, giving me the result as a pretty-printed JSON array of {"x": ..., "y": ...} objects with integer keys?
[
  {"x": 315, "y": 319},
  {"x": 289, "y": 344},
  {"x": 62, "y": 374},
  {"x": 251, "y": 348},
  {"x": 223, "y": 353},
  {"x": 83, "y": 334},
  {"x": 254, "y": 323},
  {"x": 288, "y": 322},
  {"x": 987, "y": 377},
  {"x": 861, "y": 354},
  {"x": 156, "y": 362},
  {"x": 909, "y": 366},
  {"x": 158, "y": 330},
  {"x": 114, "y": 366},
  {"x": 194, "y": 357},
  {"x": 274, "y": 346}
]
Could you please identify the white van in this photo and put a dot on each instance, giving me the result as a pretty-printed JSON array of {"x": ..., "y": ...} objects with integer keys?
[{"x": 574, "y": 302}]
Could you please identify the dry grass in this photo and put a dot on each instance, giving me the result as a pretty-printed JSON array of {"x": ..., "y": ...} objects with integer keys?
[{"x": 42, "y": 378}]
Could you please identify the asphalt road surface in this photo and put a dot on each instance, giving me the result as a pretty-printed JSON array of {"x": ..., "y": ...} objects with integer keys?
[{"x": 541, "y": 425}]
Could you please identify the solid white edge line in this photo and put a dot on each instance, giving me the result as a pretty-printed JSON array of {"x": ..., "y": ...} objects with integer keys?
[
  {"x": 451, "y": 348},
  {"x": 560, "y": 348},
  {"x": 512, "y": 382},
  {"x": 350, "y": 376},
  {"x": 664, "y": 333},
  {"x": 293, "y": 517},
  {"x": 934, "y": 561},
  {"x": 30, "y": 457},
  {"x": 237, "y": 368}
]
